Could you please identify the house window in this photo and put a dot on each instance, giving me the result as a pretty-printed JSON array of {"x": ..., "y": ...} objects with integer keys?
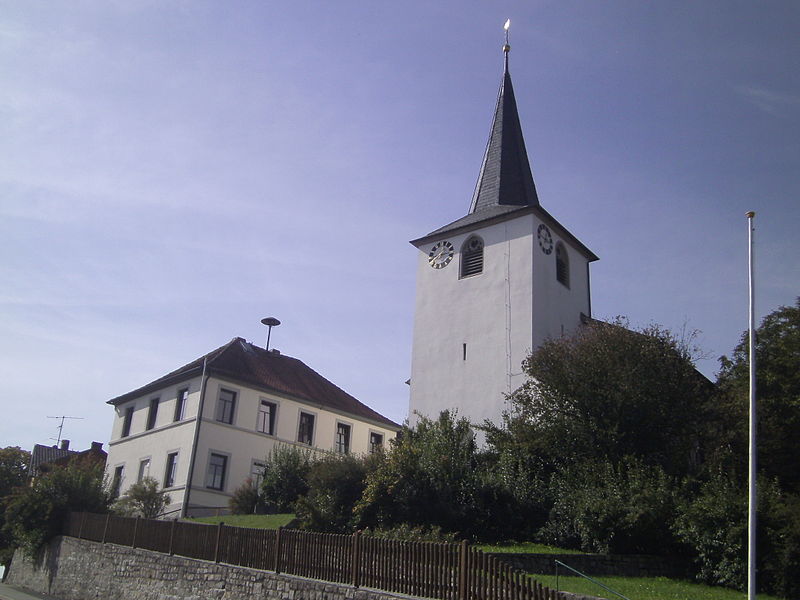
[
  {"x": 342, "y": 438},
  {"x": 144, "y": 469},
  {"x": 116, "y": 481},
  {"x": 215, "y": 477},
  {"x": 257, "y": 472},
  {"x": 152, "y": 413},
  {"x": 172, "y": 469},
  {"x": 226, "y": 403},
  {"x": 180, "y": 403},
  {"x": 562, "y": 264},
  {"x": 305, "y": 433},
  {"x": 127, "y": 420},
  {"x": 472, "y": 256},
  {"x": 375, "y": 442},
  {"x": 266, "y": 417}
]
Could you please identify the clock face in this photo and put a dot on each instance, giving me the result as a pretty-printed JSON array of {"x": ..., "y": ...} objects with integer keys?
[
  {"x": 440, "y": 255},
  {"x": 545, "y": 239}
]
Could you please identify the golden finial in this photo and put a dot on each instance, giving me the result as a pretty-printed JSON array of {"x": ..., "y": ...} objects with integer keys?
[{"x": 506, "y": 46}]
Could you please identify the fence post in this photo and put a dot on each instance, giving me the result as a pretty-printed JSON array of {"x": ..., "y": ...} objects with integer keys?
[
  {"x": 462, "y": 571},
  {"x": 172, "y": 535},
  {"x": 278, "y": 550},
  {"x": 135, "y": 531},
  {"x": 356, "y": 559},
  {"x": 105, "y": 527},
  {"x": 80, "y": 527},
  {"x": 219, "y": 535}
]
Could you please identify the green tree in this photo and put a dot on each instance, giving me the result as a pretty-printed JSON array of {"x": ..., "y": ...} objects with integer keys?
[
  {"x": 777, "y": 394},
  {"x": 14, "y": 463},
  {"x": 335, "y": 483},
  {"x": 606, "y": 392},
  {"x": 285, "y": 477},
  {"x": 621, "y": 508},
  {"x": 143, "y": 499},
  {"x": 36, "y": 514},
  {"x": 431, "y": 476},
  {"x": 245, "y": 499}
]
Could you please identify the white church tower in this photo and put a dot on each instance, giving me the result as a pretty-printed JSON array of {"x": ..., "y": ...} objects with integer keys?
[{"x": 493, "y": 285}]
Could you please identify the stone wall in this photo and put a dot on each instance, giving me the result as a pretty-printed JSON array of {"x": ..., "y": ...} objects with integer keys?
[
  {"x": 73, "y": 569},
  {"x": 618, "y": 565}
]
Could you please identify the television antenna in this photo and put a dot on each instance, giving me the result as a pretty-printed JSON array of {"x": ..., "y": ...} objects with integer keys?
[{"x": 61, "y": 425}]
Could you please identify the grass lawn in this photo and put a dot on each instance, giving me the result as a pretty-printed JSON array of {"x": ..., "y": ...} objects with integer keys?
[
  {"x": 255, "y": 521},
  {"x": 525, "y": 548},
  {"x": 645, "y": 588}
]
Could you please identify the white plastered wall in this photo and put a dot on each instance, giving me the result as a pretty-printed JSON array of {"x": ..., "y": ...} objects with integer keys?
[{"x": 501, "y": 315}]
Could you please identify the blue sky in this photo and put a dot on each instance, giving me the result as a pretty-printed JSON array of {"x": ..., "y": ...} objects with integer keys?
[{"x": 172, "y": 172}]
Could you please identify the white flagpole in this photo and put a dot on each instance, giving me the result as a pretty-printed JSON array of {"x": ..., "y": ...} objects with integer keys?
[{"x": 751, "y": 515}]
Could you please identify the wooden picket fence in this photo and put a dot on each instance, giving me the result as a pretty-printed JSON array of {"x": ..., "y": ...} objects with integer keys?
[{"x": 446, "y": 571}]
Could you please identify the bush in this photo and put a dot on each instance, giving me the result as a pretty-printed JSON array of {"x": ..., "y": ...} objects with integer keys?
[
  {"x": 143, "y": 499},
  {"x": 433, "y": 476},
  {"x": 245, "y": 499},
  {"x": 781, "y": 563},
  {"x": 285, "y": 478},
  {"x": 409, "y": 533},
  {"x": 36, "y": 514},
  {"x": 607, "y": 508},
  {"x": 336, "y": 483},
  {"x": 713, "y": 522}
]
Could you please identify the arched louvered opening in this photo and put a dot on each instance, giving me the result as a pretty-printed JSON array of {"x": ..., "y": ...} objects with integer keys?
[
  {"x": 472, "y": 256},
  {"x": 562, "y": 264}
]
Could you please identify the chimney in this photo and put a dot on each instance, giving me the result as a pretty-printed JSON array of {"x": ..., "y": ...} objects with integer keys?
[
  {"x": 97, "y": 445},
  {"x": 65, "y": 444}
]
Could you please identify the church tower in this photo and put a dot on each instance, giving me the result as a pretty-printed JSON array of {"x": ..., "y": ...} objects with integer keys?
[{"x": 494, "y": 284}]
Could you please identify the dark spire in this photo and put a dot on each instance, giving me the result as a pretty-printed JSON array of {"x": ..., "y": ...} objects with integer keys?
[{"x": 505, "y": 177}]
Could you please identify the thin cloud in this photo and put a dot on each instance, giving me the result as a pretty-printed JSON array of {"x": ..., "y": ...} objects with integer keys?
[{"x": 773, "y": 102}]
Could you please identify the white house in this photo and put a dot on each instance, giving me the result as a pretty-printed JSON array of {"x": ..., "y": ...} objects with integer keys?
[
  {"x": 249, "y": 399},
  {"x": 494, "y": 284}
]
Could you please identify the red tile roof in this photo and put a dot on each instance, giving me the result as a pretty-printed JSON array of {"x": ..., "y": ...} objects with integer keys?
[{"x": 243, "y": 362}]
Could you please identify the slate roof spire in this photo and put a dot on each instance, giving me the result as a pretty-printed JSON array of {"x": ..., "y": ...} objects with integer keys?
[{"x": 505, "y": 177}]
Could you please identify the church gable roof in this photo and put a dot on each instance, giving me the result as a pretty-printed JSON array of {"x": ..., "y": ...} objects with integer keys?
[{"x": 243, "y": 362}]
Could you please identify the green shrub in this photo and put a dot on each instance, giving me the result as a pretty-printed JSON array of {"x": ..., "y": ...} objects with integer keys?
[
  {"x": 285, "y": 478},
  {"x": 143, "y": 499},
  {"x": 36, "y": 514},
  {"x": 713, "y": 522},
  {"x": 612, "y": 508},
  {"x": 408, "y": 533},
  {"x": 335, "y": 485},
  {"x": 245, "y": 499},
  {"x": 429, "y": 477}
]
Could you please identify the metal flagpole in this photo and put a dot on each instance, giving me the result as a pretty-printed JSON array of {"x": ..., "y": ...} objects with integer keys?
[{"x": 751, "y": 515}]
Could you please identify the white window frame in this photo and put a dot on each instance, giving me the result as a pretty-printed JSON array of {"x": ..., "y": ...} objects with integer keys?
[
  {"x": 370, "y": 447},
  {"x": 349, "y": 445},
  {"x": 274, "y": 416},
  {"x": 152, "y": 413},
  {"x": 130, "y": 409},
  {"x": 180, "y": 405},
  {"x": 257, "y": 477},
  {"x": 218, "y": 413},
  {"x": 116, "y": 482},
  {"x": 144, "y": 468},
  {"x": 177, "y": 455},
  {"x": 314, "y": 415},
  {"x": 225, "y": 470}
]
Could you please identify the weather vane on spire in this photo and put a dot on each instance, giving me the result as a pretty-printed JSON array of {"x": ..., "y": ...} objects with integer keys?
[{"x": 506, "y": 46}]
